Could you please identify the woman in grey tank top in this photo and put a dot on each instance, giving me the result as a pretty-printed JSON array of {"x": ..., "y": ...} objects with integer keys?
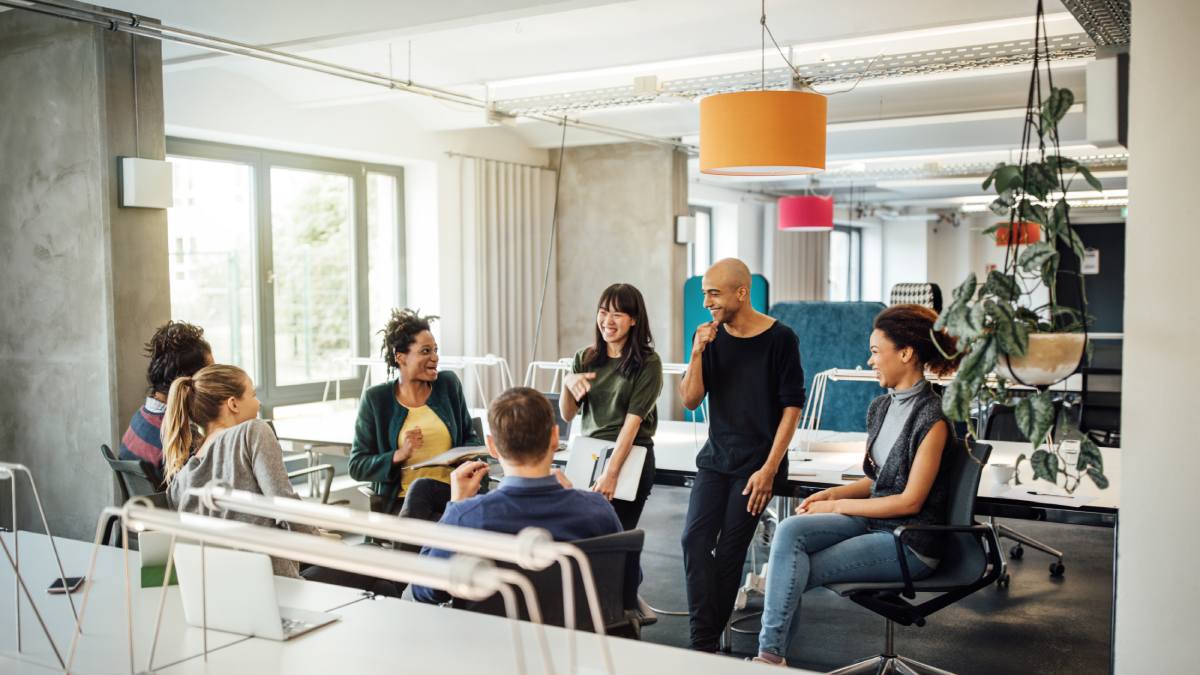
[{"x": 843, "y": 534}]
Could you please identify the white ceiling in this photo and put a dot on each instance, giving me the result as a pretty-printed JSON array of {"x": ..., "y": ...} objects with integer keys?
[{"x": 503, "y": 49}]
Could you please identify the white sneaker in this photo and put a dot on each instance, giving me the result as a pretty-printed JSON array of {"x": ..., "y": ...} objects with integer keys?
[{"x": 758, "y": 659}]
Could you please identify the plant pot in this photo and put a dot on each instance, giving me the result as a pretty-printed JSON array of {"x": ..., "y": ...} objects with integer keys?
[{"x": 1050, "y": 359}]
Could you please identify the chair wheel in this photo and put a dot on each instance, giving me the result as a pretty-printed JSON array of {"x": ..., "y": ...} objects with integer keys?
[
  {"x": 1016, "y": 552},
  {"x": 1057, "y": 569},
  {"x": 1002, "y": 582}
]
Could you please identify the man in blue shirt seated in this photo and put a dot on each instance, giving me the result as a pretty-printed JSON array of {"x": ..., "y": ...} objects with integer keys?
[{"x": 523, "y": 436}]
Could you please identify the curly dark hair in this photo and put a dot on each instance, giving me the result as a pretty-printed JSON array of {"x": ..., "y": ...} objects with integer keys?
[
  {"x": 177, "y": 349},
  {"x": 912, "y": 326},
  {"x": 400, "y": 332}
]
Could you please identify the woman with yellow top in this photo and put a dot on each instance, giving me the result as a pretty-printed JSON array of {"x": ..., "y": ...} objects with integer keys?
[{"x": 419, "y": 415}]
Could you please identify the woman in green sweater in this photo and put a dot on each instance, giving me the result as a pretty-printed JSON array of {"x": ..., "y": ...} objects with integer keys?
[
  {"x": 615, "y": 383},
  {"x": 420, "y": 414}
]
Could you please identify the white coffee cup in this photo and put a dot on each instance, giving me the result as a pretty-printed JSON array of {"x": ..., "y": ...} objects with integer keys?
[{"x": 1001, "y": 474}]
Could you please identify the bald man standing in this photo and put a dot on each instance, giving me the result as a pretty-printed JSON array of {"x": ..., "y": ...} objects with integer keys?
[{"x": 748, "y": 365}]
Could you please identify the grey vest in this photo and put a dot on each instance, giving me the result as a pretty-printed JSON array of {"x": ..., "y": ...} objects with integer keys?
[{"x": 892, "y": 477}]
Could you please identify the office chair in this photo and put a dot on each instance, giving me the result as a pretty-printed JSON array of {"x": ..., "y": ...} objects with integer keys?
[
  {"x": 615, "y": 560},
  {"x": 970, "y": 562},
  {"x": 1000, "y": 424},
  {"x": 135, "y": 478}
]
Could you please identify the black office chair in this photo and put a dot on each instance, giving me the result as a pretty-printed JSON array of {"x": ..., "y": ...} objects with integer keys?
[
  {"x": 1000, "y": 424},
  {"x": 970, "y": 562},
  {"x": 135, "y": 478},
  {"x": 615, "y": 560}
]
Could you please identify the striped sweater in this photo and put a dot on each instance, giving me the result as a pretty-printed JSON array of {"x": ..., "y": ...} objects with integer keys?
[{"x": 142, "y": 440}]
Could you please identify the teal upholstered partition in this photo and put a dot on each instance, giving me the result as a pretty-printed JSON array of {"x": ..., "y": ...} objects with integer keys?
[
  {"x": 694, "y": 313},
  {"x": 835, "y": 335}
]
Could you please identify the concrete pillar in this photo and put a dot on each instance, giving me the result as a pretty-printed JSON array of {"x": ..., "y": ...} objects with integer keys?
[
  {"x": 83, "y": 282},
  {"x": 1158, "y": 593},
  {"x": 617, "y": 207}
]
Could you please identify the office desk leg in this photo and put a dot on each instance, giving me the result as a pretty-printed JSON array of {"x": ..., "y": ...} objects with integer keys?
[{"x": 1112, "y": 628}]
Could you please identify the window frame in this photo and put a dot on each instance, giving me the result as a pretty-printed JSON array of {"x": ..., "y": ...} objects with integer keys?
[
  {"x": 693, "y": 209},
  {"x": 854, "y": 274},
  {"x": 260, "y": 162}
]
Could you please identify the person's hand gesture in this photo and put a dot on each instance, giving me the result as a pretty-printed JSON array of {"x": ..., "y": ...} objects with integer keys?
[
  {"x": 822, "y": 496},
  {"x": 466, "y": 479},
  {"x": 606, "y": 485},
  {"x": 705, "y": 333},
  {"x": 579, "y": 384},
  {"x": 759, "y": 488},
  {"x": 413, "y": 440}
]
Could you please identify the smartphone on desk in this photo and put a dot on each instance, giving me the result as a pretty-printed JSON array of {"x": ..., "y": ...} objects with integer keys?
[{"x": 71, "y": 585}]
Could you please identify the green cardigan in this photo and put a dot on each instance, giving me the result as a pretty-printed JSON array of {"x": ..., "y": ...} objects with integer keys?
[{"x": 380, "y": 418}]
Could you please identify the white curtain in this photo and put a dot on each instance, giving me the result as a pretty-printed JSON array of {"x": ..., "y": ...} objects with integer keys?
[{"x": 507, "y": 213}]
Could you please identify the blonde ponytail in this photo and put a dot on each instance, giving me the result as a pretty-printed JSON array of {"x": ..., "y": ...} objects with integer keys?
[
  {"x": 177, "y": 434},
  {"x": 194, "y": 402}
]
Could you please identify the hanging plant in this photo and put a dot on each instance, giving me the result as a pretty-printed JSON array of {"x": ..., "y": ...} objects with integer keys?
[{"x": 1005, "y": 336}]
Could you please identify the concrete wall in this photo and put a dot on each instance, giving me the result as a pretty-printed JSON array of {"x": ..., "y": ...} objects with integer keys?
[
  {"x": 1158, "y": 589},
  {"x": 617, "y": 207},
  {"x": 83, "y": 282}
]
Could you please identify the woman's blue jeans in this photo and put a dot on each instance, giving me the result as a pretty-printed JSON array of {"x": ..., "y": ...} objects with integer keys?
[{"x": 823, "y": 548}]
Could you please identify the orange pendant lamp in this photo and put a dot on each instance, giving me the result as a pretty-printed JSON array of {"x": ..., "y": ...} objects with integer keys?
[
  {"x": 1026, "y": 233},
  {"x": 768, "y": 132},
  {"x": 763, "y": 133}
]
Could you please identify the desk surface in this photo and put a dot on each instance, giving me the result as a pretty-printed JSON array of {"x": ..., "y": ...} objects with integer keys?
[
  {"x": 104, "y": 645},
  {"x": 377, "y": 635},
  {"x": 386, "y": 635},
  {"x": 676, "y": 444}
]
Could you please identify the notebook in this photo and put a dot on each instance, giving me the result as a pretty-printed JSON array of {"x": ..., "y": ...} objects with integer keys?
[
  {"x": 587, "y": 458},
  {"x": 452, "y": 457}
]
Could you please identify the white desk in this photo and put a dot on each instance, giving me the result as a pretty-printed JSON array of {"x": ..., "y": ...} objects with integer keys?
[
  {"x": 103, "y": 648},
  {"x": 372, "y": 636},
  {"x": 389, "y": 635}
]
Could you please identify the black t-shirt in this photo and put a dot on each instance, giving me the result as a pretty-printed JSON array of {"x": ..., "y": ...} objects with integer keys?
[{"x": 749, "y": 381}]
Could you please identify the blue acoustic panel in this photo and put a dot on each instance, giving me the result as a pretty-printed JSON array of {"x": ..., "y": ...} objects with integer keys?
[
  {"x": 694, "y": 314},
  {"x": 835, "y": 335}
]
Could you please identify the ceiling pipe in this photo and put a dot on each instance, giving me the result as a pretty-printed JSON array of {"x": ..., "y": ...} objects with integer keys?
[{"x": 133, "y": 24}]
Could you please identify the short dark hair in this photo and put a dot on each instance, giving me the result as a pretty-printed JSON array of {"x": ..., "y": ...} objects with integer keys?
[
  {"x": 177, "y": 349},
  {"x": 521, "y": 421},
  {"x": 400, "y": 332}
]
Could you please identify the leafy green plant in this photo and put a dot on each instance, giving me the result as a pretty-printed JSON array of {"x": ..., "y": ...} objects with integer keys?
[{"x": 994, "y": 318}]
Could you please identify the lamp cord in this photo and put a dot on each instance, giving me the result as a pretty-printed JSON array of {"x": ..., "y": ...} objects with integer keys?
[
  {"x": 766, "y": 31},
  {"x": 537, "y": 333}
]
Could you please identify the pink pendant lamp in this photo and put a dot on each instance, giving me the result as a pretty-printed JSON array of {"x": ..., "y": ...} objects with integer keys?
[{"x": 806, "y": 213}]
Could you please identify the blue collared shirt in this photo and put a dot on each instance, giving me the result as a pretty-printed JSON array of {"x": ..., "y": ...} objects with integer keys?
[{"x": 527, "y": 502}]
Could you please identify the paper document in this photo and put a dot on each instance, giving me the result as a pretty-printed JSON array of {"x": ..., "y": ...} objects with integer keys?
[
  {"x": 452, "y": 457},
  {"x": 809, "y": 462},
  {"x": 1046, "y": 495}
]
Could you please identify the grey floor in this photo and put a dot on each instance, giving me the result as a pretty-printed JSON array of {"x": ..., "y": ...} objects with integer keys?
[{"x": 1037, "y": 625}]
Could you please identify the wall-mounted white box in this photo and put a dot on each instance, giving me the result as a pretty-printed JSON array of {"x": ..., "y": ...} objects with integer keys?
[{"x": 146, "y": 183}]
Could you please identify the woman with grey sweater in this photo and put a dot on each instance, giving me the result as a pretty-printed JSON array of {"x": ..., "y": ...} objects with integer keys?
[
  {"x": 236, "y": 448},
  {"x": 844, "y": 533}
]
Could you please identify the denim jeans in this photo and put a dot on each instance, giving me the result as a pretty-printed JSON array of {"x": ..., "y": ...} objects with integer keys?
[{"x": 823, "y": 548}]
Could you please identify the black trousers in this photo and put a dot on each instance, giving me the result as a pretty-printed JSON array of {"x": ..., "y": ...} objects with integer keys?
[
  {"x": 426, "y": 499},
  {"x": 629, "y": 512},
  {"x": 716, "y": 536}
]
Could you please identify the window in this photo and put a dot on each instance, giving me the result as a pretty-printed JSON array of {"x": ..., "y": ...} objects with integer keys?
[
  {"x": 845, "y": 264},
  {"x": 290, "y": 263},
  {"x": 700, "y": 251}
]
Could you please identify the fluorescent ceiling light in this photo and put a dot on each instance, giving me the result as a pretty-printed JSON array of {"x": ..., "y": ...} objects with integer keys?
[
  {"x": 969, "y": 180},
  {"x": 1062, "y": 20}
]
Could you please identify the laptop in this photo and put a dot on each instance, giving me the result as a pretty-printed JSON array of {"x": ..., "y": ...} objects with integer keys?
[
  {"x": 587, "y": 458},
  {"x": 240, "y": 594}
]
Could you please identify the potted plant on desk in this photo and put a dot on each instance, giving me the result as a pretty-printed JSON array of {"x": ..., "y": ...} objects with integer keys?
[{"x": 1005, "y": 335}]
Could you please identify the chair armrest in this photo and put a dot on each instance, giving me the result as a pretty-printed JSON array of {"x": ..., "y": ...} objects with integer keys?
[
  {"x": 327, "y": 469},
  {"x": 981, "y": 532}
]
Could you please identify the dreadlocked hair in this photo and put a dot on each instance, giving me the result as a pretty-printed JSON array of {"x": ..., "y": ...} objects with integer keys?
[{"x": 400, "y": 332}]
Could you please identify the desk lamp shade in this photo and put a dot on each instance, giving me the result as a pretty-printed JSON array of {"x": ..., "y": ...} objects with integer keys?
[
  {"x": 1027, "y": 233},
  {"x": 806, "y": 213},
  {"x": 762, "y": 133}
]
